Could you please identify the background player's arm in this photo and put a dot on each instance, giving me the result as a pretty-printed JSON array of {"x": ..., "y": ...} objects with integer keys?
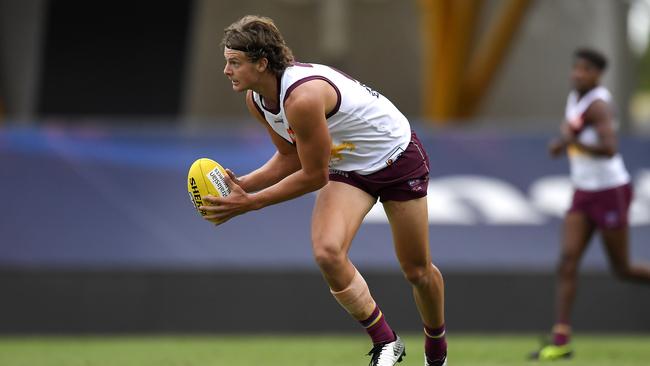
[
  {"x": 283, "y": 163},
  {"x": 600, "y": 116},
  {"x": 558, "y": 145}
]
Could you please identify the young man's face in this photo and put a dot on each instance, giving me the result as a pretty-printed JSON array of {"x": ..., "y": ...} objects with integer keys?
[
  {"x": 240, "y": 70},
  {"x": 584, "y": 75}
]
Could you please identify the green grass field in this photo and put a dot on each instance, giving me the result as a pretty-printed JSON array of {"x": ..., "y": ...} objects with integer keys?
[{"x": 305, "y": 350}]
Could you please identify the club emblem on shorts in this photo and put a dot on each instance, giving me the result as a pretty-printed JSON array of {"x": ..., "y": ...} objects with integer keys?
[
  {"x": 611, "y": 218},
  {"x": 415, "y": 184}
]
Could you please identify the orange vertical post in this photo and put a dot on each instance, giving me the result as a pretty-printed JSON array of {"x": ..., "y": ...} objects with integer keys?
[{"x": 448, "y": 27}]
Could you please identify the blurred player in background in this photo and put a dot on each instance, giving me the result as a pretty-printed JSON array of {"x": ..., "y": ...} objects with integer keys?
[
  {"x": 602, "y": 194},
  {"x": 338, "y": 136}
]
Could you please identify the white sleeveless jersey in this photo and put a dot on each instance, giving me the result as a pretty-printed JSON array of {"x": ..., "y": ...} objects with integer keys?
[
  {"x": 589, "y": 172},
  {"x": 368, "y": 132}
]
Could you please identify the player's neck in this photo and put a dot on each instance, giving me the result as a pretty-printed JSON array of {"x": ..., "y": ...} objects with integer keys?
[
  {"x": 269, "y": 89},
  {"x": 585, "y": 91}
]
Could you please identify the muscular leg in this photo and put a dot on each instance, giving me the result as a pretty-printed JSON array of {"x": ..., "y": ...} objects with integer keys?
[
  {"x": 578, "y": 230},
  {"x": 410, "y": 226},
  {"x": 617, "y": 245},
  {"x": 339, "y": 210},
  {"x": 577, "y": 233},
  {"x": 338, "y": 213}
]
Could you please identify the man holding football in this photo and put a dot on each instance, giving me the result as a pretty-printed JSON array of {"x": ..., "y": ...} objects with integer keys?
[{"x": 337, "y": 136}]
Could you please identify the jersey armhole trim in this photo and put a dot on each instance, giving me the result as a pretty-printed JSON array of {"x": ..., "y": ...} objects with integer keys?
[{"x": 316, "y": 77}]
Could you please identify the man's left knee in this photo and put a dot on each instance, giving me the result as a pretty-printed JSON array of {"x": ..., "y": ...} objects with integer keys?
[{"x": 418, "y": 274}]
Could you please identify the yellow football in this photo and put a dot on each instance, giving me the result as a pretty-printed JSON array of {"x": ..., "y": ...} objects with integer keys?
[{"x": 206, "y": 177}]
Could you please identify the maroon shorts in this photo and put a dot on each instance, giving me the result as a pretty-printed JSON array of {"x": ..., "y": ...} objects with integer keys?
[
  {"x": 608, "y": 208},
  {"x": 405, "y": 179}
]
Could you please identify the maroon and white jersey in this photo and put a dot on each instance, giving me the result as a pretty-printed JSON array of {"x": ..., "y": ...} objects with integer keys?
[
  {"x": 368, "y": 132},
  {"x": 589, "y": 172}
]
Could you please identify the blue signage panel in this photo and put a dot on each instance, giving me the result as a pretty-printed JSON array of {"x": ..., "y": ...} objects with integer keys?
[{"x": 102, "y": 198}]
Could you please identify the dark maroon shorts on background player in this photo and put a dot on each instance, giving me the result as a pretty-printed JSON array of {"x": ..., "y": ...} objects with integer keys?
[
  {"x": 608, "y": 208},
  {"x": 404, "y": 179}
]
